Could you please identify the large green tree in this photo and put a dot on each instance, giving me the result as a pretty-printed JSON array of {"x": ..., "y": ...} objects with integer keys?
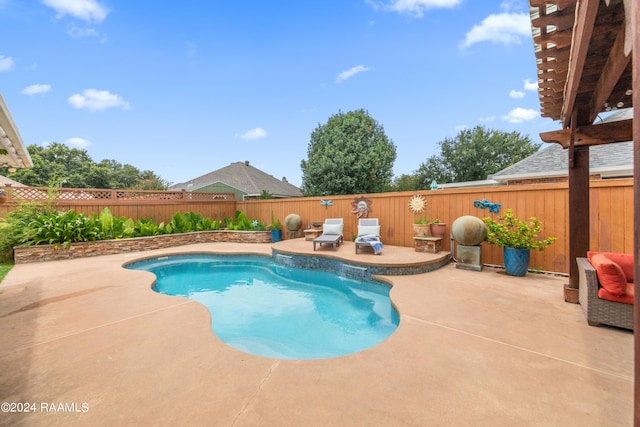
[
  {"x": 350, "y": 154},
  {"x": 474, "y": 154},
  {"x": 59, "y": 165}
]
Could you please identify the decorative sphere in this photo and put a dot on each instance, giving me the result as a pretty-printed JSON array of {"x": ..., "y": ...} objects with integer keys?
[
  {"x": 293, "y": 222},
  {"x": 469, "y": 230}
]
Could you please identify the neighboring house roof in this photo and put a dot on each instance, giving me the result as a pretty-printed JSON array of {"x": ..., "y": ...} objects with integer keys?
[
  {"x": 608, "y": 160},
  {"x": 244, "y": 177},
  {"x": 4, "y": 182},
  {"x": 15, "y": 154}
]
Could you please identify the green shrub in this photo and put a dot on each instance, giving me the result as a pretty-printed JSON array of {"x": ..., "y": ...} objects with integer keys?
[
  {"x": 145, "y": 227},
  {"x": 511, "y": 232},
  {"x": 15, "y": 229},
  {"x": 63, "y": 228}
]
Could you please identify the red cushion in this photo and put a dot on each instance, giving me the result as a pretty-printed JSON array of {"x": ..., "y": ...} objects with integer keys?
[
  {"x": 625, "y": 299},
  {"x": 625, "y": 261},
  {"x": 610, "y": 275}
]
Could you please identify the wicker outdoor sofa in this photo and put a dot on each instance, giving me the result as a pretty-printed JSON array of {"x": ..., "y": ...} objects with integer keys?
[{"x": 597, "y": 310}]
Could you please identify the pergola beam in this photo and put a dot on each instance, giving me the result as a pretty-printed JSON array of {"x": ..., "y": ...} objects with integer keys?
[
  {"x": 611, "y": 73},
  {"x": 560, "y": 4},
  {"x": 586, "y": 12},
  {"x": 603, "y": 133}
]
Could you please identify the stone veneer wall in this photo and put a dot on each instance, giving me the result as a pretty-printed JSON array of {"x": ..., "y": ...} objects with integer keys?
[
  {"x": 353, "y": 270},
  {"x": 25, "y": 254}
]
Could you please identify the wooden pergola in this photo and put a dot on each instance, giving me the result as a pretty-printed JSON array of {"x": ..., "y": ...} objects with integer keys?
[{"x": 587, "y": 66}]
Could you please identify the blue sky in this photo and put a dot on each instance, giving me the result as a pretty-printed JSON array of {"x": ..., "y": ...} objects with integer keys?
[{"x": 185, "y": 88}]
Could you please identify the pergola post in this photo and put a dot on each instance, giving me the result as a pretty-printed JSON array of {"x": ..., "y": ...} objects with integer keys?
[
  {"x": 578, "y": 217},
  {"x": 635, "y": 30}
]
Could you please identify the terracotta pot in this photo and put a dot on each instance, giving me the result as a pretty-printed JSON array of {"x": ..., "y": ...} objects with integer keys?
[
  {"x": 439, "y": 229},
  {"x": 422, "y": 230}
]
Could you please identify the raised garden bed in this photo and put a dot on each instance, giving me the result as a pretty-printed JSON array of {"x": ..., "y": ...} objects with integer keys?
[{"x": 26, "y": 254}]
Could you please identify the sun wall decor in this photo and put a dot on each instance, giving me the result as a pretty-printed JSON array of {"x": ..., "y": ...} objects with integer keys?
[
  {"x": 417, "y": 204},
  {"x": 361, "y": 207}
]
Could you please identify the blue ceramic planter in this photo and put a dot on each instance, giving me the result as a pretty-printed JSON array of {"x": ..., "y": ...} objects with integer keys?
[
  {"x": 276, "y": 236},
  {"x": 516, "y": 261}
]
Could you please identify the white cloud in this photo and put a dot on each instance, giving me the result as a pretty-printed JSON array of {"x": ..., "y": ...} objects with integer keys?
[
  {"x": 516, "y": 94},
  {"x": 530, "y": 84},
  {"x": 252, "y": 134},
  {"x": 519, "y": 115},
  {"x": 508, "y": 5},
  {"x": 412, "y": 7},
  {"x": 350, "y": 73},
  {"x": 86, "y": 10},
  {"x": 504, "y": 28},
  {"x": 78, "y": 142},
  {"x": 97, "y": 100},
  {"x": 6, "y": 63},
  {"x": 81, "y": 33},
  {"x": 488, "y": 119},
  {"x": 36, "y": 89}
]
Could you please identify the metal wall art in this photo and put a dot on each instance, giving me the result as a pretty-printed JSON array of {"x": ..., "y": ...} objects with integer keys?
[
  {"x": 484, "y": 203},
  {"x": 417, "y": 204},
  {"x": 361, "y": 207}
]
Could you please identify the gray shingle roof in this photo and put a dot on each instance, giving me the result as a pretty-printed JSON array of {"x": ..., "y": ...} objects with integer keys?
[
  {"x": 244, "y": 177},
  {"x": 4, "y": 181},
  {"x": 608, "y": 159}
]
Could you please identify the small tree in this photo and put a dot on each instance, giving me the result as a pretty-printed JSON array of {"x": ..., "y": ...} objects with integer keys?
[
  {"x": 350, "y": 154},
  {"x": 406, "y": 182},
  {"x": 266, "y": 194}
]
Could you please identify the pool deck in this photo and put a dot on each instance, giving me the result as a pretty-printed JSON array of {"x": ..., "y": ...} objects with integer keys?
[{"x": 472, "y": 348}]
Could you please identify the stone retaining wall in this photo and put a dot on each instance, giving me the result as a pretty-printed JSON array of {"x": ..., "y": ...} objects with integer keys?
[{"x": 25, "y": 254}]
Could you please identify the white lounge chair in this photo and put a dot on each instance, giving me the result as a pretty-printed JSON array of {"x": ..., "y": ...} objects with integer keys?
[
  {"x": 331, "y": 233},
  {"x": 369, "y": 235}
]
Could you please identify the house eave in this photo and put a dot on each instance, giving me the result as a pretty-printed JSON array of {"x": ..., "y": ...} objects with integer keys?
[
  {"x": 17, "y": 155},
  {"x": 606, "y": 172}
]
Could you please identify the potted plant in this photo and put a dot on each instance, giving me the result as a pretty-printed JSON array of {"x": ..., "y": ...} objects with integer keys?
[
  {"x": 517, "y": 237},
  {"x": 276, "y": 230},
  {"x": 422, "y": 227},
  {"x": 438, "y": 228}
]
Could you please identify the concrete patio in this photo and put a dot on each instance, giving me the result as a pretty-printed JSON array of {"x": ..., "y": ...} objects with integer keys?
[{"x": 91, "y": 340}]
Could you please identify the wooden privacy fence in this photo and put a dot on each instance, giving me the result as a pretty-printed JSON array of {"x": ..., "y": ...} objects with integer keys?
[{"x": 611, "y": 215}]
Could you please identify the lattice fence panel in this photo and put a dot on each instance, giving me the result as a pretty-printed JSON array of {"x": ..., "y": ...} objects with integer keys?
[
  {"x": 72, "y": 194},
  {"x": 211, "y": 196},
  {"x": 28, "y": 193}
]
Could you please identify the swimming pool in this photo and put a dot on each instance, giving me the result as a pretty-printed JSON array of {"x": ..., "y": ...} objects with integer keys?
[{"x": 271, "y": 310}]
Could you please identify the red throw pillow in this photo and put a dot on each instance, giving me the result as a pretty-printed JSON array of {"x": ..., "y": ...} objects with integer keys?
[
  {"x": 625, "y": 261},
  {"x": 610, "y": 275}
]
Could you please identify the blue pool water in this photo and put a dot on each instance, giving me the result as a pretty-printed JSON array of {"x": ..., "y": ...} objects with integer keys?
[{"x": 270, "y": 310}]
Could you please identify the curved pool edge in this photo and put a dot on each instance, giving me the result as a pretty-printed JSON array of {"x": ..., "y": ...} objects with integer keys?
[
  {"x": 365, "y": 269},
  {"x": 168, "y": 252}
]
